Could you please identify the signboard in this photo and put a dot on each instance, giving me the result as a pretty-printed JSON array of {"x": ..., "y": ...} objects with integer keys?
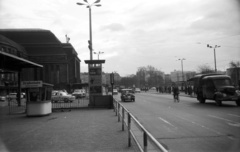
[
  {"x": 31, "y": 84},
  {"x": 95, "y": 71}
]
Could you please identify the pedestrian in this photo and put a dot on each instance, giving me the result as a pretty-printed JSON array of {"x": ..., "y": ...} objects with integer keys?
[{"x": 175, "y": 93}]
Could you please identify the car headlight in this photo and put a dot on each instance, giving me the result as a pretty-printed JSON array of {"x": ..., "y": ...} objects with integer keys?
[{"x": 238, "y": 92}]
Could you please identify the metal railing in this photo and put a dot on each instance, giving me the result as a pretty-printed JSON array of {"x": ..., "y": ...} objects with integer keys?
[
  {"x": 78, "y": 103},
  {"x": 134, "y": 127},
  {"x": 16, "y": 108}
]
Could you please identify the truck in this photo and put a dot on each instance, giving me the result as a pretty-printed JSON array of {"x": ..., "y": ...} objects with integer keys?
[
  {"x": 216, "y": 87},
  {"x": 58, "y": 96}
]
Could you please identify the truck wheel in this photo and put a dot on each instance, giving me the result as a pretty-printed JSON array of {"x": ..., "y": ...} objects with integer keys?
[
  {"x": 218, "y": 102},
  {"x": 238, "y": 102}
]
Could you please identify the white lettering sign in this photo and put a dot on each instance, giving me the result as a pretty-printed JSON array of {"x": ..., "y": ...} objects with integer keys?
[{"x": 31, "y": 84}]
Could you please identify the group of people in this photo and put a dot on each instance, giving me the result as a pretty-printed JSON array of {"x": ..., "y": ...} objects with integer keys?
[
  {"x": 164, "y": 89},
  {"x": 170, "y": 89},
  {"x": 174, "y": 89}
]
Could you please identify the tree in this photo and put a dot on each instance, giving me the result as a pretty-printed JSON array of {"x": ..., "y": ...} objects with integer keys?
[
  {"x": 235, "y": 74},
  {"x": 204, "y": 69},
  {"x": 149, "y": 76}
]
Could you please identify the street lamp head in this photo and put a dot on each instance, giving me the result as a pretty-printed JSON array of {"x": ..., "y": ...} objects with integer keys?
[
  {"x": 98, "y": 5},
  {"x": 97, "y": 1},
  {"x": 81, "y": 4}
]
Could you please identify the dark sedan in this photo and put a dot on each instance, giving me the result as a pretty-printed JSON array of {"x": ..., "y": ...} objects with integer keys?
[{"x": 127, "y": 95}]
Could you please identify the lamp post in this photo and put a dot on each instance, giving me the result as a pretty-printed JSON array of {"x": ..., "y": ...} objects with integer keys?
[
  {"x": 182, "y": 67},
  {"x": 98, "y": 53},
  {"x": 90, "y": 44},
  {"x": 182, "y": 70},
  {"x": 216, "y": 46}
]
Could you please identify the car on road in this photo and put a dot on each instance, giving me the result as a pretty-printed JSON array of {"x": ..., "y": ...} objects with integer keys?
[
  {"x": 58, "y": 96},
  {"x": 115, "y": 91},
  {"x": 13, "y": 95},
  {"x": 127, "y": 95},
  {"x": 137, "y": 90},
  {"x": 2, "y": 98},
  {"x": 79, "y": 93},
  {"x": 216, "y": 87}
]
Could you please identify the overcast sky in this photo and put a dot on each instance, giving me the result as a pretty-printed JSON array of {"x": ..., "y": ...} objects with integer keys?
[{"x": 136, "y": 33}]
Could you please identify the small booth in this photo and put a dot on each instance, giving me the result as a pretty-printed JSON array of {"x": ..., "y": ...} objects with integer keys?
[
  {"x": 96, "y": 97},
  {"x": 38, "y": 96}
]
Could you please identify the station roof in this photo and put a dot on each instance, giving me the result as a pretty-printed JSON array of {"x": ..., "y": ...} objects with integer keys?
[
  {"x": 30, "y": 36},
  {"x": 11, "y": 62}
]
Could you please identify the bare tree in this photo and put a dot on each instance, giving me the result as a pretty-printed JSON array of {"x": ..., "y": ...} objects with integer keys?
[
  {"x": 204, "y": 69},
  {"x": 235, "y": 75}
]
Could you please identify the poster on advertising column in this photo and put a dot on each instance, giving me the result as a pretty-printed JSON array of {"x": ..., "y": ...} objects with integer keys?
[{"x": 95, "y": 76}]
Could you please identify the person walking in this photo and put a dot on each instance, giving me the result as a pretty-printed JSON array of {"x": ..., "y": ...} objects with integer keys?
[{"x": 175, "y": 93}]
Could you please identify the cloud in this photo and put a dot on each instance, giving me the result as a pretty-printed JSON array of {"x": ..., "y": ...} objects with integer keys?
[{"x": 114, "y": 27}]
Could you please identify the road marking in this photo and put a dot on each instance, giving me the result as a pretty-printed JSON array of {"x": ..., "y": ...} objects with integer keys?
[
  {"x": 197, "y": 124},
  {"x": 166, "y": 121},
  {"x": 230, "y": 122},
  {"x": 233, "y": 115},
  {"x": 221, "y": 118}
]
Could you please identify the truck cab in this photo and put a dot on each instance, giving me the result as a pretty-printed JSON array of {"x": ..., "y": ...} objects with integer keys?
[{"x": 216, "y": 87}]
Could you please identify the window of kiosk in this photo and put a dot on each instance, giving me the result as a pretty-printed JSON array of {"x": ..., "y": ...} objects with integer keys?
[
  {"x": 34, "y": 94},
  {"x": 40, "y": 94}
]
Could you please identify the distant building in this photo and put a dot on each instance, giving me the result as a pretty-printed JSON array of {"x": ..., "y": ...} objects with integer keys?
[
  {"x": 84, "y": 77},
  {"x": 61, "y": 65},
  {"x": 167, "y": 79},
  {"x": 179, "y": 76}
]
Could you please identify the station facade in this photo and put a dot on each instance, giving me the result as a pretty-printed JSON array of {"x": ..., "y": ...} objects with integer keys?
[{"x": 59, "y": 61}]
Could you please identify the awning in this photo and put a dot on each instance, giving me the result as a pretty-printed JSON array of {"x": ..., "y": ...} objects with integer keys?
[{"x": 9, "y": 62}]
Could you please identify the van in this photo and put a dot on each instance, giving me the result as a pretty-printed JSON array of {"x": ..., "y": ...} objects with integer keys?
[{"x": 216, "y": 87}]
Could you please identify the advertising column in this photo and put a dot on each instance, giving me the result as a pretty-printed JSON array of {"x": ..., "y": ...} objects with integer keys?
[{"x": 95, "y": 79}]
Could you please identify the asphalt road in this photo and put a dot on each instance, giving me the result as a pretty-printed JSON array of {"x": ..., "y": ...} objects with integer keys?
[{"x": 188, "y": 126}]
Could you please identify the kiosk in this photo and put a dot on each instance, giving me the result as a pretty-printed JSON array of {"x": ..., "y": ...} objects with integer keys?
[
  {"x": 96, "y": 97},
  {"x": 38, "y": 96}
]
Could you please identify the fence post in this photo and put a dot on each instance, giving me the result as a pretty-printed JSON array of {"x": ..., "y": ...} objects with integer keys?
[
  {"x": 145, "y": 144},
  {"x": 123, "y": 115},
  {"x": 113, "y": 105},
  {"x": 116, "y": 108},
  {"x": 119, "y": 112},
  {"x": 129, "y": 130}
]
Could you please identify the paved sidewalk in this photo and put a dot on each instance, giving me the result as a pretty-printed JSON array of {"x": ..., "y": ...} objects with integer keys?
[{"x": 70, "y": 131}]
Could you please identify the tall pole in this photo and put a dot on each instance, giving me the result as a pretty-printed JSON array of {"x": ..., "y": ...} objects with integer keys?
[
  {"x": 182, "y": 70},
  {"x": 215, "y": 63},
  {"x": 90, "y": 32},
  {"x": 96, "y": 3},
  {"x": 182, "y": 67},
  {"x": 214, "y": 51}
]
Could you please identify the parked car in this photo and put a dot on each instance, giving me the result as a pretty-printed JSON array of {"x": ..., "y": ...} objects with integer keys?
[
  {"x": 58, "y": 96},
  {"x": 115, "y": 91},
  {"x": 127, "y": 95},
  {"x": 14, "y": 95},
  {"x": 216, "y": 87},
  {"x": 79, "y": 93},
  {"x": 137, "y": 90},
  {"x": 2, "y": 98}
]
